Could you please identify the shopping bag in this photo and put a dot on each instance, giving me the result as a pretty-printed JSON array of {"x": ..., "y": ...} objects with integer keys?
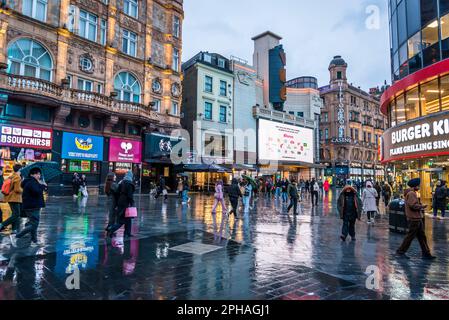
[{"x": 131, "y": 212}]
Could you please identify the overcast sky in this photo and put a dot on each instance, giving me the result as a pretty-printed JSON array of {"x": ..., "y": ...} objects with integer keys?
[{"x": 313, "y": 32}]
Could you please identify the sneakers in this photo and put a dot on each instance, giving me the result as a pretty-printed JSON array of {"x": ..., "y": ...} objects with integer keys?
[{"x": 13, "y": 239}]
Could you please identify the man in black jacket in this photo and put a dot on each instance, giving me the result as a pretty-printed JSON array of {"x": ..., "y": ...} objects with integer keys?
[
  {"x": 32, "y": 203},
  {"x": 234, "y": 195}
]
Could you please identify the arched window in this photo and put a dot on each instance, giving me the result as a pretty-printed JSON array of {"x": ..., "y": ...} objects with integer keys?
[
  {"x": 29, "y": 58},
  {"x": 127, "y": 87}
]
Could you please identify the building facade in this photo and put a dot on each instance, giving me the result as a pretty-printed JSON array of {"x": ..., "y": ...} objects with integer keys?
[
  {"x": 350, "y": 130},
  {"x": 88, "y": 76},
  {"x": 417, "y": 104}
]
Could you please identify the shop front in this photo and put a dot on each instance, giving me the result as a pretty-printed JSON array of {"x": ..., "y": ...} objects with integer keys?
[
  {"x": 341, "y": 174},
  {"x": 418, "y": 149},
  {"x": 24, "y": 145},
  {"x": 368, "y": 172},
  {"x": 355, "y": 172},
  {"x": 380, "y": 173},
  {"x": 157, "y": 160},
  {"x": 82, "y": 154},
  {"x": 125, "y": 155}
]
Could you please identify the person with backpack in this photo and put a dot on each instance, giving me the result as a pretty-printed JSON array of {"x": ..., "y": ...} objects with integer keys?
[
  {"x": 440, "y": 199},
  {"x": 314, "y": 190},
  {"x": 369, "y": 197},
  {"x": 349, "y": 207},
  {"x": 292, "y": 191},
  {"x": 12, "y": 191},
  {"x": 33, "y": 202},
  {"x": 234, "y": 195},
  {"x": 125, "y": 200}
]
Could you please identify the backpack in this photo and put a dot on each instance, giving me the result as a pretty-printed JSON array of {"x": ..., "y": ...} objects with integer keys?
[
  {"x": 6, "y": 187},
  {"x": 293, "y": 192}
]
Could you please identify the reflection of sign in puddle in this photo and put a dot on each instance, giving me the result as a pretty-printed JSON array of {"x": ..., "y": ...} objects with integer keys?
[{"x": 78, "y": 255}]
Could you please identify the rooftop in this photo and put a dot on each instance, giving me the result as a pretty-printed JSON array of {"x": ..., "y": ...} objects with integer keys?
[{"x": 266, "y": 33}]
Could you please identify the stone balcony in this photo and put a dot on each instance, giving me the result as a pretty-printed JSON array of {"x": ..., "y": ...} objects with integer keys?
[
  {"x": 56, "y": 95},
  {"x": 269, "y": 114}
]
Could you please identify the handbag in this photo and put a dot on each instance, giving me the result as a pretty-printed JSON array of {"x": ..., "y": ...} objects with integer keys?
[{"x": 131, "y": 212}]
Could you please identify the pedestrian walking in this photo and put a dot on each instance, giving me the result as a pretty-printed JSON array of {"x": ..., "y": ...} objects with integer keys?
[
  {"x": 125, "y": 200},
  {"x": 293, "y": 193},
  {"x": 180, "y": 187},
  {"x": 247, "y": 196},
  {"x": 76, "y": 183},
  {"x": 379, "y": 193},
  {"x": 314, "y": 190},
  {"x": 278, "y": 189},
  {"x": 414, "y": 211},
  {"x": 185, "y": 191},
  {"x": 349, "y": 207},
  {"x": 33, "y": 201},
  {"x": 111, "y": 190},
  {"x": 285, "y": 184},
  {"x": 13, "y": 196},
  {"x": 440, "y": 199},
  {"x": 219, "y": 198},
  {"x": 162, "y": 188},
  {"x": 387, "y": 192},
  {"x": 326, "y": 186},
  {"x": 234, "y": 195},
  {"x": 83, "y": 187},
  {"x": 307, "y": 185},
  {"x": 369, "y": 196}
]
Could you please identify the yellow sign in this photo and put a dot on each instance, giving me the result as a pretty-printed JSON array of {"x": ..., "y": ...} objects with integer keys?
[{"x": 85, "y": 145}]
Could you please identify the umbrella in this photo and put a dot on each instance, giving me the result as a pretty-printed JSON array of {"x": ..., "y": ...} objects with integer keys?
[
  {"x": 50, "y": 170},
  {"x": 251, "y": 180}
]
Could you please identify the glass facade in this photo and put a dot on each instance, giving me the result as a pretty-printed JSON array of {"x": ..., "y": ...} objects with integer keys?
[{"x": 419, "y": 34}]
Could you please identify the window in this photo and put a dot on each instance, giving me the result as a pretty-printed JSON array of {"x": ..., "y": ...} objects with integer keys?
[
  {"x": 36, "y": 9},
  {"x": 369, "y": 138},
  {"x": 430, "y": 98},
  {"x": 428, "y": 11},
  {"x": 103, "y": 31},
  {"x": 444, "y": 6},
  {"x": 70, "y": 78},
  {"x": 221, "y": 63},
  {"x": 85, "y": 85},
  {"x": 130, "y": 7},
  {"x": 176, "y": 27},
  {"x": 413, "y": 17},
  {"x": 134, "y": 129},
  {"x": 339, "y": 75},
  {"x": 119, "y": 127},
  {"x": 175, "y": 62},
  {"x": 83, "y": 121},
  {"x": 292, "y": 113},
  {"x": 300, "y": 114},
  {"x": 207, "y": 58},
  {"x": 402, "y": 23},
  {"x": 325, "y": 117},
  {"x": 28, "y": 58},
  {"x": 223, "y": 114},
  {"x": 326, "y": 134},
  {"x": 98, "y": 124},
  {"x": 403, "y": 54},
  {"x": 208, "y": 111},
  {"x": 127, "y": 87},
  {"x": 15, "y": 110},
  {"x": 129, "y": 43},
  {"x": 364, "y": 136},
  {"x": 40, "y": 114},
  {"x": 414, "y": 45},
  {"x": 356, "y": 134},
  {"x": 174, "y": 108},
  {"x": 88, "y": 25},
  {"x": 412, "y": 104},
  {"x": 444, "y": 93},
  {"x": 430, "y": 34},
  {"x": 157, "y": 105},
  {"x": 99, "y": 88},
  {"x": 223, "y": 88},
  {"x": 208, "y": 84},
  {"x": 353, "y": 100},
  {"x": 400, "y": 109},
  {"x": 394, "y": 31}
]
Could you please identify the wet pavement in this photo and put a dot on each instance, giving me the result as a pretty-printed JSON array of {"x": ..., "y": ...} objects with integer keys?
[{"x": 182, "y": 252}]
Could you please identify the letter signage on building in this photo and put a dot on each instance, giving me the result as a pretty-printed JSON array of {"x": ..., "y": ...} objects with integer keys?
[
  {"x": 283, "y": 142},
  {"x": 82, "y": 147},
  {"x": 128, "y": 151},
  {"x": 26, "y": 137},
  {"x": 424, "y": 137}
]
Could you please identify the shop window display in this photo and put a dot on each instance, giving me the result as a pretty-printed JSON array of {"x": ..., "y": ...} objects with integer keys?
[{"x": 430, "y": 98}]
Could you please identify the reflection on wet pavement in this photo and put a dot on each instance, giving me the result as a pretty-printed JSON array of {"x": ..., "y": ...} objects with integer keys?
[{"x": 184, "y": 252}]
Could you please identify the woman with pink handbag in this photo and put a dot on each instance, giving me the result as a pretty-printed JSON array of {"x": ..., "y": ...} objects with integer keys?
[
  {"x": 126, "y": 210},
  {"x": 219, "y": 198}
]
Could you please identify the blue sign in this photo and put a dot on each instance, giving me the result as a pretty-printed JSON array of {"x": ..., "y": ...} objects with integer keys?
[{"x": 82, "y": 147}]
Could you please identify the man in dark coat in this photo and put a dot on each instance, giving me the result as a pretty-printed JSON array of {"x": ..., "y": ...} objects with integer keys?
[
  {"x": 32, "y": 203},
  {"x": 234, "y": 195},
  {"x": 350, "y": 207},
  {"x": 414, "y": 211},
  {"x": 292, "y": 191},
  {"x": 440, "y": 199}
]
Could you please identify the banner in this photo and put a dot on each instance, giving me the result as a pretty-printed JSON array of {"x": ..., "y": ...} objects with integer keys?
[
  {"x": 128, "y": 151},
  {"x": 26, "y": 137},
  {"x": 82, "y": 147}
]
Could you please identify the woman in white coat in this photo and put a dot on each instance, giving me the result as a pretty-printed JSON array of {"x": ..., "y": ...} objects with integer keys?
[{"x": 369, "y": 196}]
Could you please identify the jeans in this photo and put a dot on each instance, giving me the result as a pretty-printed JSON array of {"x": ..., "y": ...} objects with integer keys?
[
  {"x": 315, "y": 197},
  {"x": 246, "y": 201},
  {"x": 185, "y": 196},
  {"x": 32, "y": 224},
  {"x": 435, "y": 211},
  {"x": 284, "y": 197},
  {"x": 278, "y": 193},
  {"x": 294, "y": 205},
  {"x": 14, "y": 219},
  {"x": 348, "y": 227},
  {"x": 416, "y": 230}
]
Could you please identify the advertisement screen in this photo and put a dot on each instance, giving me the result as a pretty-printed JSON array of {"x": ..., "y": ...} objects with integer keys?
[
  {"x": 82, "y": 147},
  {"x": 283, "y": 142},
  {"x": 127, "y": 151},
  {"x": 18, "y": 136}
]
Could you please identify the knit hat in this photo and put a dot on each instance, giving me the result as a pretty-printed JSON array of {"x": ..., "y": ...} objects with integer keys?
[
  {"x": 128, "y": 176},
  {"x": 414, "y": 183}
]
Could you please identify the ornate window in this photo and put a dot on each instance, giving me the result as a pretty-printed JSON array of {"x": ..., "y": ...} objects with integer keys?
[
  {"x": 127, "y": 87},
  {"x": 131, "y": 8},
  {"x": 36, "y": 9},
  {"x": 29, "y": 58}
]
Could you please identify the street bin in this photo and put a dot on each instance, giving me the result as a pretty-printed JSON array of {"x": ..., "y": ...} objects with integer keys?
[{"x": 397, "y": 217}]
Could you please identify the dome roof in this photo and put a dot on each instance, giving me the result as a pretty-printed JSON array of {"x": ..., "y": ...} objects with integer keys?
[{"x": 338, "y": 61}]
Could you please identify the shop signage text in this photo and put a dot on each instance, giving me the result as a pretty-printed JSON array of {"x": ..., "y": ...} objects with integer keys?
[
  {"x": 128, "y": 151},
  {"x": 82, "y": 147},
  {"x": 18, "y": 136},
  {"x": 429, "y": 136}
]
